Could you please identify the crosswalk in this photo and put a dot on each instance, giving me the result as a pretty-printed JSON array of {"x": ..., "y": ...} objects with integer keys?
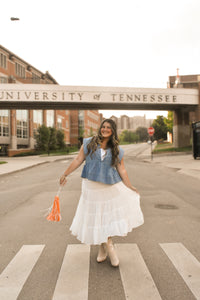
[
  {"x": 73, "y": 278},
  {"x": 14, "y": 276},
  {"x": 72, "y": 281},
  {"x": 136, "y": 278}
]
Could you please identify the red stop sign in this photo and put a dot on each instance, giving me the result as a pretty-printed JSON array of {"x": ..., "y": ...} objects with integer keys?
[{"x": 151, "y": 131}]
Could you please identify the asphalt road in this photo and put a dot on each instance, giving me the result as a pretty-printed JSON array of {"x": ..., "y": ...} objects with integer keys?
[{"x": 166, "y": 246}]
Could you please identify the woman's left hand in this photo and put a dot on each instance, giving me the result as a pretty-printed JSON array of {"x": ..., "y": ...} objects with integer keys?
[{"x": 134, "y": 189}]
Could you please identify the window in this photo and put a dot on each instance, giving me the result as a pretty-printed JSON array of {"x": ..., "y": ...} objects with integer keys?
[
  {"x": 19, "y": 70},
  {"x": 37, "y": 119},
  {"x": 50, "y": 118},
  {"x": 22, "y": 124},
  {"x": 92, "y": 115},
  {"x": 92, "y": 124},
  {"x": 4, "y": 123},
  {"x": 2, "y": 60},
  {"x": 81, "y": 118},
  {"x": 59, "y": 123}
]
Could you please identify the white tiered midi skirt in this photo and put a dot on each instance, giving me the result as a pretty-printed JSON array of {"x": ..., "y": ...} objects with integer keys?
[{"x": 104, "y": 211}]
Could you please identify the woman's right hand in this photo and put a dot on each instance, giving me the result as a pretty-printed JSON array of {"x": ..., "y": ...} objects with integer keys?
[{"x": 63, "y": 180}]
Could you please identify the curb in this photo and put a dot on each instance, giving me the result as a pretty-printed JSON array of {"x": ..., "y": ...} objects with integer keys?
[
  {"x": 172, "y": 153},
  {"x": 37, "y": 164},
  {"x": 25, "y": 168}
]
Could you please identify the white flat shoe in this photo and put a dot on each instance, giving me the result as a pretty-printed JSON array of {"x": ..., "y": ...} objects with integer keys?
[{"x": 102, "y": 254}]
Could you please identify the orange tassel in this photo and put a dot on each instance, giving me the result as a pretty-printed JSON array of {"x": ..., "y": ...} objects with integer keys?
[{"x": 55, "y": 212}]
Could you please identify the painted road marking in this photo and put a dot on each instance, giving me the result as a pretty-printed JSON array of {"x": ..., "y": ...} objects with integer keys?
[
  {"x": 72, "y": 282},
  {"x": 16, "y": 273},
  {"x": 136, "y": 278},
  {"x": 186, "y": 264}
]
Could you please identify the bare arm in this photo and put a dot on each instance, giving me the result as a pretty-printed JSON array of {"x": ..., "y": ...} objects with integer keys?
[
  {"x": 78, "y": 160},
  {"x": 124, "y": 176}
]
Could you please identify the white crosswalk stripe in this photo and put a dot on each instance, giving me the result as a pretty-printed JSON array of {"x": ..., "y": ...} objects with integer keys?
[
  {"x": 16, "y": 273},
  {"x": 72, "y": 282},
  {"x": 73, "y": 278},
  {"x": 186, "y": 264},
  {"x": 136, "y": 278}
]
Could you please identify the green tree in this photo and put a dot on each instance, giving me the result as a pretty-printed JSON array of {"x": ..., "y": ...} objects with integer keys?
[
  {"x": 135, "y": 137},
  {"x": 60, "y": 139},
  {"x": 81, "y": 131},
  {"x": 91, "y": 132},
  {"x": 48, "y": 138},
  {"x": 81, "y": 135},
  {"x": 142, "y": 133},
  {"x": 169, "y": 121},
  {"x": 52, "y": 139},
  {"x": 160, "y": 128},
  {"x": 128, "y": 136},
  {"x": 42, "y": 138}
]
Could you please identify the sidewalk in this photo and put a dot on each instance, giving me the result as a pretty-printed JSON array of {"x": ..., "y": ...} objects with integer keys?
[
  {"x": 184, "y": 163},
  {"x": 15, "y": 164}
]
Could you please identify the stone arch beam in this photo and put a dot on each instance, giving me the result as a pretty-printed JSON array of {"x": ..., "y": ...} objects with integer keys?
[{"x": 33, "y": 96}]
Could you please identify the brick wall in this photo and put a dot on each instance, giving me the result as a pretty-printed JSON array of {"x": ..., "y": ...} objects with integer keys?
[{"x": 91, "y": 122}]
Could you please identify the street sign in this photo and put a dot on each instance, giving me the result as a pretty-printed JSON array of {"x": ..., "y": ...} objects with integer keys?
[{"x": 151, "y": 131}]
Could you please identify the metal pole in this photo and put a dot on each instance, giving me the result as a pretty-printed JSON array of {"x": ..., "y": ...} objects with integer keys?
[{"x": 151, "y": 150}]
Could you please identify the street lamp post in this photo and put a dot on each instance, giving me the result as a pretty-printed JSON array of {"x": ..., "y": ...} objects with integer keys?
[{"x": 14, "y": 19}]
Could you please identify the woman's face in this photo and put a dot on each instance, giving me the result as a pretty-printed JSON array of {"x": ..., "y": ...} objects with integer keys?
[{"x": 106, "y": 130}]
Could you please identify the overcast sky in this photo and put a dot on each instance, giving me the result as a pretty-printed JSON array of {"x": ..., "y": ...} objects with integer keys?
[{"x": 128, "y": 43}]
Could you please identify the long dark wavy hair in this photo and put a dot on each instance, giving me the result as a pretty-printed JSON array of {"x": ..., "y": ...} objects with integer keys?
[{"x": 113, "y": 142}]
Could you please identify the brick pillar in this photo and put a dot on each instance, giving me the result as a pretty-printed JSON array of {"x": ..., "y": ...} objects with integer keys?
[
  {"x": 44, "y": 117},
  {"x": 13, "y": 130},
  {"x": 181, "y": 129},
  {"x": 55, "y": 118},
  {"x": 31, "y": 137}
]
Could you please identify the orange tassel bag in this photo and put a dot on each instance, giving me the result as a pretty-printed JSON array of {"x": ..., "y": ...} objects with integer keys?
[{"x": 54, "y": 210}]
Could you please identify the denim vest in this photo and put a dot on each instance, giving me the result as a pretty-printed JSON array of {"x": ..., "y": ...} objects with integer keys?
[{"x": 99, "y": 170}]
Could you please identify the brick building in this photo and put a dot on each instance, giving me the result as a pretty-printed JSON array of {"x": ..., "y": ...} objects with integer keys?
[
  {"x": 83, "y": 123},
  {"x": 17, "y": 127},
  {"x": 183, "y": 119},
  {"x": 187, "y": 82},
  {"x": 131, "y": 123}
]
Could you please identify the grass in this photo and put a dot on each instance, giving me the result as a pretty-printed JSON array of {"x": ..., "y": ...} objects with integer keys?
[
  {"x": 168, "y": 147},
  {"x": 3, "y": 162}
]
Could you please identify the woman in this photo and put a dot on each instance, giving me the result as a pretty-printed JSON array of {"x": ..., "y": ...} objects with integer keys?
[{"x": 109, "y": 205}]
